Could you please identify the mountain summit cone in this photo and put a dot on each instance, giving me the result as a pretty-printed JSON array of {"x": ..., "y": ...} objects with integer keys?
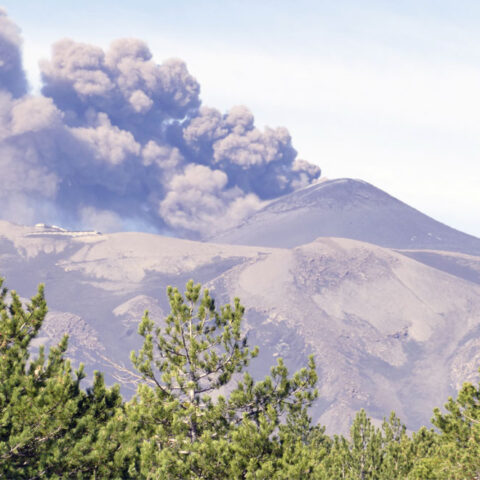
[{"x": 350, "y": 209}]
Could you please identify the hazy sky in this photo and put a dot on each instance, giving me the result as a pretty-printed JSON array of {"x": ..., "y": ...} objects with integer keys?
[{"x": 383, "y": 91}]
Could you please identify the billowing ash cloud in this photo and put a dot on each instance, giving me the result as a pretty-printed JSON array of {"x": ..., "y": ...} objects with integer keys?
[
  {"x": 12, "y": 76},
  {"x": 118, "y": 142}
]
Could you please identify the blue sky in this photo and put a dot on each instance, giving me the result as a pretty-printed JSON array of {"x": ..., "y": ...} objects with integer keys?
[{"x": 383, "y": 91}]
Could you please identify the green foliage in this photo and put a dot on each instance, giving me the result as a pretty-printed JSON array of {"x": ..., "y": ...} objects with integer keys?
[
  {"x": 47, "y": 424},
  {"x": 199, "y": 349},
  {"x": 198, "y": 413},
  {"x": 200, "y": 420},
  {"x": 360, "y": 457},
  {"x": 459, "y": 450}
]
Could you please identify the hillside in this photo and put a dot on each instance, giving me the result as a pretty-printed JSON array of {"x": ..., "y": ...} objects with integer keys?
[
  {"x": 384, "y": 327},
  {"x": 350, "y": 209}
]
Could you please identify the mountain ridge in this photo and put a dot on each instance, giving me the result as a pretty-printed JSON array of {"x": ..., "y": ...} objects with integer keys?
[
  {"x": 384, "y": 327},
  {"x": 345, "y": 208}
]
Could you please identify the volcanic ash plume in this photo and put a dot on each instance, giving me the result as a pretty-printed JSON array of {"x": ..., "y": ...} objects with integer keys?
[
  {"x": 12, "y": 76},
  {"x": 118, "y": 142}
]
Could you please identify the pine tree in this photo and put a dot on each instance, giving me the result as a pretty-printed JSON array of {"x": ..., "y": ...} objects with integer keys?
[
  {"x": 48, "y": 426},
  {"x": 397, "y": 457},
  {"x": 360, "y": 457},
  {"x": 459, "y": 442},
  {"x": 304, "y": 448},
  {"x": 371, "y": 453},
  {"x": 192, "y": 426}
]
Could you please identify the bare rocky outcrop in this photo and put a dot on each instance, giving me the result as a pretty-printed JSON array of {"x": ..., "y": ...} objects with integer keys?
[{"x": 390, "y": 328}]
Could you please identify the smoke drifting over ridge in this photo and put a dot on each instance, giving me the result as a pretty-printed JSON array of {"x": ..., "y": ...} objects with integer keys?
[{"x": 118, "y": 142}]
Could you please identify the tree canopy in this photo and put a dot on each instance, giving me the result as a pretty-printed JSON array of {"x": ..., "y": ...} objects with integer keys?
[{"x": 198, "y": 413}]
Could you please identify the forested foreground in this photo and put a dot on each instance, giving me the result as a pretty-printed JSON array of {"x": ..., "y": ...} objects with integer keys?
[{"x": 198, "y": 414}]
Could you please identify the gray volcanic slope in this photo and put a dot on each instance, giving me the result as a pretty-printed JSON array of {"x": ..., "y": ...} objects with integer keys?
[
  {"x": 388, "y": 332},
  {"x": 350, "y": 209}
]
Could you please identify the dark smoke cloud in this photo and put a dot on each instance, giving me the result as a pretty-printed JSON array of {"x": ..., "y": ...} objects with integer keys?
[
  {"x": 12, "y": 76},
  {"x": 199, "y": 198},
  {"x": 124, "y": 82},
  {"x": 28, "y": 183},
  {"x": 256, "y": 161},
  {"x": 119, "y": 142}
]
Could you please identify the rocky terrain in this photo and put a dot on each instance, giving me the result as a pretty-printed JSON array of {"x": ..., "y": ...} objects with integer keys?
[
  {"x": 391, "y": 311},
  {"x": 346, "y": 208}
]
